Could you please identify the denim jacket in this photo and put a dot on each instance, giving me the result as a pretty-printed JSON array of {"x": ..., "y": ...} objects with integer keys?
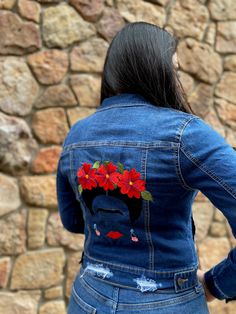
[{"x": 176, "y": 154}]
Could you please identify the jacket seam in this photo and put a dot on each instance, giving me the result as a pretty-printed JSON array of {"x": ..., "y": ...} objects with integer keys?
[
  {"x": 179, "y": 173},
  {"x": 210, "y": 173}
]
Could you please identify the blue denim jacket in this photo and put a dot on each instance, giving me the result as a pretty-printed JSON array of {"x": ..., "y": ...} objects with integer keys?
[{"x": 177, "y": 154}]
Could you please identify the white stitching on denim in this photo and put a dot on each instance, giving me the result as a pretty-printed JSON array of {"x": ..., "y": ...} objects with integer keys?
[
  {"x": 138, "y": 270},
  {"x": 211, "y": 174},
  {"x": 144, "y": 144},
  {"x": 147, "y": 213},
  {"x": 180, "y": 175}
]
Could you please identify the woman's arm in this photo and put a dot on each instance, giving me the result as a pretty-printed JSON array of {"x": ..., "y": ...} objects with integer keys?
[
  {"x": 208, "y": 163},
  {"x": 69, "y": 208}
]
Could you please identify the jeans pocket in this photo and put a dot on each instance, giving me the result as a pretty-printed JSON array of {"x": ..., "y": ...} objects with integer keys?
[{"x": 77, "y": 305}]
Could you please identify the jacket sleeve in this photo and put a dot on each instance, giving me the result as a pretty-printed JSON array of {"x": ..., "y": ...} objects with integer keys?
[
  {"x": 69, "y": 208},
  {"x": 208, "y": 163}
]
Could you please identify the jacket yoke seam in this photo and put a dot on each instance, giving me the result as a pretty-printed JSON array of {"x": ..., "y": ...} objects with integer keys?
[{"x": 178, "y": 169}]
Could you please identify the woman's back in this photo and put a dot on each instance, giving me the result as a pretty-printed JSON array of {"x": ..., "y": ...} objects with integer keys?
[{"x": 127, "y": 177}]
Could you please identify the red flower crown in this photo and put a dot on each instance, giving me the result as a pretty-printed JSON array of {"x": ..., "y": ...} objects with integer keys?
[{"x": 109, "y": 177}]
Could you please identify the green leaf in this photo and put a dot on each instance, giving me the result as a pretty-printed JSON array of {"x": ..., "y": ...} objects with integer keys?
[
  {"x": 96, "y": 164},
  {"x": 147, "y": 196},
  {"x": 80, "y": 188},
  {"x": 120, "y": 167},
  {"x": 106, "y": 162}
]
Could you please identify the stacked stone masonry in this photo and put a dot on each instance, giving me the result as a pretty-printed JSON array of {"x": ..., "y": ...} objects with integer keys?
[{"x": 51, "y": 58}]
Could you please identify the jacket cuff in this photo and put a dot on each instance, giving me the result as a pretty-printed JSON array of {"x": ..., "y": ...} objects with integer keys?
[{"x": 221, "y": 279}]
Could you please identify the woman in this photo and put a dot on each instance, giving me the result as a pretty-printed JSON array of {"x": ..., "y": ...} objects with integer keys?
[{"x": 127, "y": 177}]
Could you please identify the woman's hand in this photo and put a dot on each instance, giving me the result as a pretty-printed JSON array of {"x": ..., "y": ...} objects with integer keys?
[{"x": 209, "y": 296}]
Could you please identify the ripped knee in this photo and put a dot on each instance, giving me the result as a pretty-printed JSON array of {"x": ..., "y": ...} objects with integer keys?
[{"x": 98, "y": 270}]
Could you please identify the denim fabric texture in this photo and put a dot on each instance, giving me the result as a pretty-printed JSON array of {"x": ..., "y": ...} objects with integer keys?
[
  {"x": 177, "y": 154},
  {"x": 92, "y": 295}
]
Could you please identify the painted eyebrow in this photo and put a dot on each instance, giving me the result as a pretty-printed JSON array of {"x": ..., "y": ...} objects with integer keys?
[{"x": 110, "y": 210}]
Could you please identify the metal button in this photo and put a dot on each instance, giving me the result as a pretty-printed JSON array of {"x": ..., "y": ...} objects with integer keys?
[{"x": 181, "y": 281}]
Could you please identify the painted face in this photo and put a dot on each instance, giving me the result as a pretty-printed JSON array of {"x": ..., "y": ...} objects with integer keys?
[{"x": 110, "y": 213}]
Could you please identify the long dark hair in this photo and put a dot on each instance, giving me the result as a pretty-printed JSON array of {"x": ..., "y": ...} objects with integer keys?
[{"x": 139, "y": 60}]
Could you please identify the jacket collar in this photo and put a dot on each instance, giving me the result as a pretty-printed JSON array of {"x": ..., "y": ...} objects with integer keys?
[{"x": 124, "y": 98}]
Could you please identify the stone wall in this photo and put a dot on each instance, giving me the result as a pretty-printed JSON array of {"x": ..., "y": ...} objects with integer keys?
[{"x": 51, "y": 58}]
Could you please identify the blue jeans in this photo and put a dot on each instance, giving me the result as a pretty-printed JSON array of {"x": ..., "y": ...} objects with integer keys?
[{"x": 95, "y": 296}]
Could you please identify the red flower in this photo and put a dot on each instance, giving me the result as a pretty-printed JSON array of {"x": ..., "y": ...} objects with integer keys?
[
  {"x": 87, "y": 176},
  {"x": 107, "y": 176},
  {"x": 131, "y": 184}
]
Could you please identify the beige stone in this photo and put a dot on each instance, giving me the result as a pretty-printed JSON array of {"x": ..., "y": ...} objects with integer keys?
[
  {"x": 36, "y": 228},
  {"x": 200, "y": 197},
  {"x": 203, "y": 215},
  {"x": 212, "y": 119},
  {"x": 230, "y": 63},
  {"x": 12, "y": 233},
  {"x": 18, "y": 88},
  {"x": 219, "y": 216},
  {"x": 58, "y": 95},
  {"x": 224, "y": 88},
  {"x": 89, "y": 56},
  {"x": 17, "y": 144},
  {"x": 39, "y": 190},
  {"x": 226, "y": 37},
  {"x": 50, "y": 125},
  {"x": 21, "y": 302},
  {"x": 7, "y": 4},
  {"x": 9, "y": 194},
  {"x": 231, "y": 237},
  {"x": 227, "y": 112},
  {"x": 53, "y": 307},
  {"x": 187, "y": 82},
  {"x": 109, "y": 3},
  {"x": 38, "y": 269},
  {"x": 110, "y": 23},
  {"x": 161, "y": 2},
  {"x": 211, "y": 34},
  {"x": 50, "y": 1},
  {"x": 53, "y": 293},
  {"x": 49, "y": 66},
  {"x": 89, "y": 9},
  {"x": 29, "y": 10},
  {"x": 46, "y": 160},
  {"x": 200, "y": 60},
  {"x": 201, "y": 99},
  {"x": 218, "y": 249},
  {"x": 222, "y": 10},
  {"x": 219, "y": 307},
  {"x": 78, "y": 113},
  {"x": 218, "y": 229},
  {"x": 231, "y": 137},
  {"x": 188, "y": 18},
  {"x": 87, "y": 89},
  {"x": 5, "y": 266},
  {"x": 62, "y": 26},
  {"x": 73, "y": 267},
  {"x": 18, "y": 37},
  {"x": 57, "y": 235},
  {"x": 133, "y": 11}
]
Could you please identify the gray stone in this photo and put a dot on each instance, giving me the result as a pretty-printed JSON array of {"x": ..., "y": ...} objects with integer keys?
[
  {"x": 62, "y": 26},
  {"x": 17, "y": 144},
  {"x": 18, "y": 88}
]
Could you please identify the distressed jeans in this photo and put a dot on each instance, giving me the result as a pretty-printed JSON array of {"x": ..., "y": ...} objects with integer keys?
[{"x": 92, "y": 294}]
